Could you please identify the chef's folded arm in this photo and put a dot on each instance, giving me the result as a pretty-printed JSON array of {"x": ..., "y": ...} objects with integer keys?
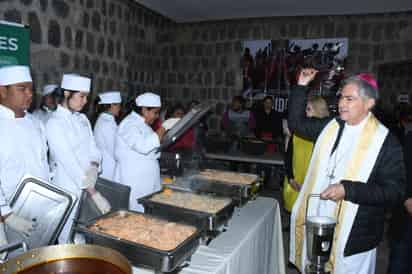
[{"x": 141, "y": 143}]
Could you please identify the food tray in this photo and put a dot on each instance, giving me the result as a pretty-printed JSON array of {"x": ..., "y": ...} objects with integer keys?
[
  {"x": 204, "y": 221},
  {"x": 141, "y": 255},
  {"x": 239, "y": 193}
]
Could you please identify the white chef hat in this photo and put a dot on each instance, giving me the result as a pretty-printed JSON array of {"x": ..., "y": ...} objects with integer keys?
[
  {"x": 110, "y": 97},
  {"x": 10, "y": 75},
  {"x": 76, "y": 82},
  {"x": 47, "y": 89},
  {"x": 148, "y": 99}
]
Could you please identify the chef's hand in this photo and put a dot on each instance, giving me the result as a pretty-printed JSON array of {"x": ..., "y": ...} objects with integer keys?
[
  {"x": 306, "y": 76},
  {"x": 334, "y": 192},
  {"x": 3, "y": 240},
  {"x": 101, "y": 202},
  {"x": 169, "y": 123},
  {"x": 295, "y": 185},
  {"x": 408, "y": 205},
  {"x": 19, "y": 224},
  {"x": 161, "y": 131},
  {"x": 90, "y": 176}
]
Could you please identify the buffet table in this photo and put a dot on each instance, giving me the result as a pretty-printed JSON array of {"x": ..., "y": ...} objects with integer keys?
[
  {"x": 252, "y": 244},
  {"x": 271, "y": 159}
]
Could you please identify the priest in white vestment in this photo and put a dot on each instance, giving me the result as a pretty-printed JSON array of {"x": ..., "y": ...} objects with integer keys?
[{"x": 357, "y": 164}]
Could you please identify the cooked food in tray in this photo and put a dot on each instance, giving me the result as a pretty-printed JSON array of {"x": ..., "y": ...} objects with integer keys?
[
  {"x": 227, "y": 176},
  {"x": 203, "y": 203},
  {"x": 144, "y": 230}
]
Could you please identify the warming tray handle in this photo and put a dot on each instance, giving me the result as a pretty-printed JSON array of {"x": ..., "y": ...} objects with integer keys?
[{"x": 13, "y": 246}]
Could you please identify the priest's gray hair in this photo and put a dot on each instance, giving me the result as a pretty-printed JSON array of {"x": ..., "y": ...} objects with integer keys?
[{"x": 365, "y": 89}]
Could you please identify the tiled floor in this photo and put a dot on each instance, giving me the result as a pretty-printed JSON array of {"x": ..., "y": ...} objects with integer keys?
[{"x": 383, "y": 250}]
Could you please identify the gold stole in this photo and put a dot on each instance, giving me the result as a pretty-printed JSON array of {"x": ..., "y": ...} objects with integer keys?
[{"x": 351, "y": 172}]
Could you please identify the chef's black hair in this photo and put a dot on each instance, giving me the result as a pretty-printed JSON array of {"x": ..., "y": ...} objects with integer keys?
[
  {"x": 54, "y": 93},
  {"x": 139, "y": 109},
  {"x": 60, "y": 94},
  {"x": 100, "y": 108}
]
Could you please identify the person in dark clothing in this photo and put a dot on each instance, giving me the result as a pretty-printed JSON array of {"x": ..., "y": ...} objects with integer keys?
[
  {"x": 357, "y": 163},
  {"x": 268, "y": 127},
  {"x": 400, "y": 259},
  {"x": 268, "y": 121}
]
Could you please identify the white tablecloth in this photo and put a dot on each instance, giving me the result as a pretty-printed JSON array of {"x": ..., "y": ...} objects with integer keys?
[{"x": 252, "y": 244}]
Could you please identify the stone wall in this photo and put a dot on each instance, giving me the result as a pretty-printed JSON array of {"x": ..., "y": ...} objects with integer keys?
[
  {"x": 395, "y": 79},
  {"x": 128, "y": 47},
  {"x": 113, "y": 41},
  {"x": 202, "y": 60}
]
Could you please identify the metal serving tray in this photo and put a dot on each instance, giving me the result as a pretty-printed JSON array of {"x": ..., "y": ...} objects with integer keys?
[
  {"x": 141, "y": 255},
  {"x": 204, "y": 221},
  {"x": 239, "y": 193},
  {"x": 48, "y": 204},
  {"x": 190, "y": 119}
]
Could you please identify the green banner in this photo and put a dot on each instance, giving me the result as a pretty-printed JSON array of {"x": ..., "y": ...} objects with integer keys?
[{"x": 14, "y": 44}]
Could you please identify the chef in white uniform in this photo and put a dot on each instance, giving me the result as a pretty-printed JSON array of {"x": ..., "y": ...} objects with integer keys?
[
  {"x": 105, "y": 131},
  {"x": 72, "y": 146},
  {"x": 23, "y": 143},
  {"x": 48, "y": 103},
  {"x": 136, "y": 148}
]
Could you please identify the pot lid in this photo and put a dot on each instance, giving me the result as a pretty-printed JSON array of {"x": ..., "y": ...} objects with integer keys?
[
  {"x": 48, "y": 204},
  {"x": 189, "y": 120}
]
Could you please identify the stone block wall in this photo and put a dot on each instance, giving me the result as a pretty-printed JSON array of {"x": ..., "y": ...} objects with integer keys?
[
  {"x": 395, "y": 79},
  {"x": 125, "y": 46},
  {"x": 113, "y": 41}
]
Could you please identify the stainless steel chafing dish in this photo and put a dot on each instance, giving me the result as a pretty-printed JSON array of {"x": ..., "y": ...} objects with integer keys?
[
  {"x": 207, "y": 222},
  {"x": 139, "y": 254},
  {"x": 240, "y": 193}
]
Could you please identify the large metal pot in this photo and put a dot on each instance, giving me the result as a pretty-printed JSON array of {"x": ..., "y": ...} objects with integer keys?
[{"x": 67, "y": 259}]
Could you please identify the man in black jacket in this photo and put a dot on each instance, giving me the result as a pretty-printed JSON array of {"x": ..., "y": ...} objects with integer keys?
[
  {"x": 356, "y": 163},
  {"x": 400, "y": 260}
]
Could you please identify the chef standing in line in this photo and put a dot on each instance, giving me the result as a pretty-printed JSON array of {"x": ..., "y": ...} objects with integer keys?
[
  {"x": 23, "y": 144},
  {"x": 137, "y": 146},
  {"x": 105, "y": 131},
  {"x": 48, "y": 103},
  {"x": 72, "y": 146}
]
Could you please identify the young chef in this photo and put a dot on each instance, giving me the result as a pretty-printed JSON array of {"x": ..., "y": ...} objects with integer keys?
[
  {"x": 23, "y": 144},
  {"x": 137, "y": 146},
  {"x": 48, "y": 103},
  {"x": 105, "y": 131},
  {"x": 72, "y": 146}
]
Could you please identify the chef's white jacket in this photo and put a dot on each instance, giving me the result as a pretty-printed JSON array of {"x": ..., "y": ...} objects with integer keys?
[
  {"x": 42, "y": 114},
  {"x": 136, "y": 151},
  {"x": 73, "y": 148},
  {"x": 105, "y": 131},
  {"x": 23, "y": 151}
]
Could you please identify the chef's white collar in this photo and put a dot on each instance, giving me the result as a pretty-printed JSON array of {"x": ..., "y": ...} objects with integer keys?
[
  {"x": 108, "y": 114},
  {"x": 140, "y": 117},
  {"x": 7, "y": 112},
  {"x": 66, "y": 111}
]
